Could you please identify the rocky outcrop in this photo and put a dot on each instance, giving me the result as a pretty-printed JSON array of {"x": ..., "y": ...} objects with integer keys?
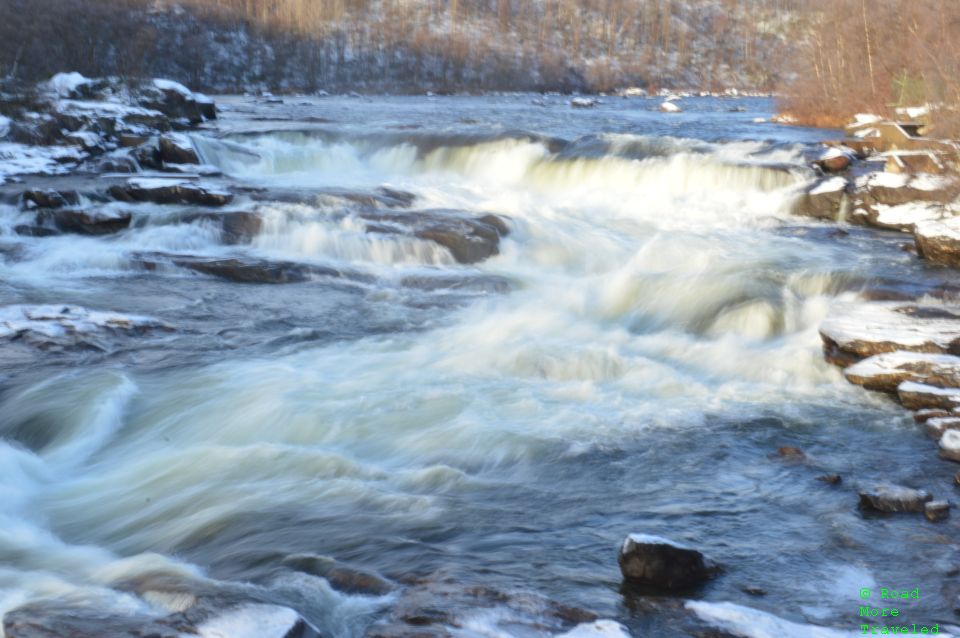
[
  {"x": 824, "y": 199},
  {"x": 169, "y": 191},
  {"x": 662, "y": 565},
  {"x": 893, "y": 498},
  {"x": 177, "y": 149},
  {"x": 920, "y": 396},
  {"x": 854, "y": 331},
  {"x": 938, "y": 241}
]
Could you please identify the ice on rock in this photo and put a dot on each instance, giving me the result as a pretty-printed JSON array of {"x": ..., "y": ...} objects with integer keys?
[
  {"x": 170, "y": 85},
  {"x": 866, "y": 329},
  {"x": 669, "y": 107},
  {"x": 252, "y": 621},
  {"x": 887, "y": 371},
  {"x": 832, "y": 185},
  {"x": 597, "y": 629},
  {"x": 54, "y": 322}
]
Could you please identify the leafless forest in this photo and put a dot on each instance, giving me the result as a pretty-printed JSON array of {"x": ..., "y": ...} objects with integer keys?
[{"x": 828, "y": 58}]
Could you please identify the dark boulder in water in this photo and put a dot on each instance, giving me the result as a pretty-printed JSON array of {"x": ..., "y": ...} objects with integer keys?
[
  {"x": 176, "y": 148},
  {"x": 169, "y": 191},
  {"x": 662, "y": 565},
  {"x": 247, "y": 269},
  {"x": 341, "y": 577},
  {"x": 86, "y": 222},
  {"x": 237, "y": 227}
]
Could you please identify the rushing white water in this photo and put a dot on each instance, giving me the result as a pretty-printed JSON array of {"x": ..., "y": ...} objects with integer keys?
[{"x": 660, "y": 338}]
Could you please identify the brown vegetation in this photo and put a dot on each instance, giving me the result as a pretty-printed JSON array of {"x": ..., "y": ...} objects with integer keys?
[{"x": 874, "y": 56}]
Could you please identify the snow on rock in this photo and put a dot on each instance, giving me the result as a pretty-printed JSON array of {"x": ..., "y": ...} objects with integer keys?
[
  {"x": 906, "y": 216},
  {"x": 24, "y": 159},
  {"x": 752, "y": 623},
  {"x": 866, "y": 118},
  {"x": 597, "y": 629},
  {"x": 584, "y": 102},
  {"x": 66, "y": 84},
  {"x": 950, "y": 445},
  {"x": 835, "y": 159},
  {"x": 856, "y": 330},
  {"x": 921, "y": 396},
  {"x": 255, "y": 621},
  {"x": 159, "y": 190},
  {"x": 883, "y": 179},
  {"x": 170, "y": 85},
  {"x": 669, "y": 107},
  {"x": 68, "y": 325},
  {"x": 885, "y": 372},
  {"x": 938, "y": 240},
  {"x": 830, "y": 185},
  {"x": 936, "y": 426},
  {"x": 885, "y": 497}
]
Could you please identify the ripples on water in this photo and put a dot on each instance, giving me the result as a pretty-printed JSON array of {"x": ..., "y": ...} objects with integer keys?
[{"x": 659, "y": 342}]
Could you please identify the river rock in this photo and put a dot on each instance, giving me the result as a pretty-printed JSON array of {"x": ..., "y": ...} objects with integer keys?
[
  {"x": 49, "y": 198},
  {"x": 886, "y": 497},
  {"x": 177, "y": 148},
  {"x": 441, "y": 607},
  {"x": 661, "y": 564},
  {"x": 854, "y": 331},
  {"x": 378, "y": 198},
  {"x": 920, "y": 396},
  {"x": 950, "y": 445},
  {"x": 177, "y": 101},
  {"x": 169, "y": 191},
  {"x": 103, "y": 221},
  {"x": 835, "y": 160},
  {"x": 885, "y": 372},
  {"x": 936, "y": 511},
  {"x": 935, "y": 427},
  {"x": 938, "y": 241}
]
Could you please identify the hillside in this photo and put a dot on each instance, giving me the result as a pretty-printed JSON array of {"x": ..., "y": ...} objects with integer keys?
[{"x": 405, "y": 45}]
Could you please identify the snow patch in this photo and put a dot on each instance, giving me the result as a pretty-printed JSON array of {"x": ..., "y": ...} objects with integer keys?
[
  {"x": 669, "y": 107},
  {"x": 170, "y": 85},
  {"x": 866, "y": 118},
  {"x": 907, "y": 215},
  {"x": 251, "y": 621},
  {"x": 832, "y": 185},
  {"x": 942, "y": 228},
  {"x": 891, "y": 326},
  {"x": 61, "y": 321},
  {"x": 65, "y": 84},
  {"x": 597, "y": 629},
  {"x": 650, "y": 539}
]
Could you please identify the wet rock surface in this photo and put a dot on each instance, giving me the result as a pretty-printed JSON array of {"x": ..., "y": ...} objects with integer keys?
[
  {"x": 244, "y": 269},
  {"x": 469, "y": 239},
  {"x": 170, "y": 191}
]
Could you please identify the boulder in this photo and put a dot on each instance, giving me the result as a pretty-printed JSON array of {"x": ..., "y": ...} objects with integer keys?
[
  {"x": 669, "y": 107},
  {"x": 49, "y": 198},
  {"x": 584, "y": 102},
  {"x": 176, "y": 148},
  {"x": 824, "y": 199},
  {"x": 103, "y": 221},
  {"x": 890, "y": 200},
  {"x": 662, "y": 565},
  {"x": 950, "y": 445},
  {"x": 936, "y": 511},
  {"x": 177, "y": 101},
  {"x": 378, "y": 198},
  {"x": 885, "y": 372},
  {"x": 938, "y": 241},
  {"x": 890, "y": 498},
  {"x": 835, "y": 160},
  {"x": 169, "y": 191},
  {"x": 919, "y": 396}
]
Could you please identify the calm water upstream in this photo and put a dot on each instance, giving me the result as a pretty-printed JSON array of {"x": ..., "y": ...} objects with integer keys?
[{"x": 657, "y": 345}]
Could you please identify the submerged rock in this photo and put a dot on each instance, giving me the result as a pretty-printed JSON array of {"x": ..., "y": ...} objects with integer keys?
[
  {"x": 341, "y": 577},
  {"x": 441, "y": 607},
  {"x": 169, "y": 191},
  {"x": 236, "y": 227},
  {"x": 938, "y": 241},
  {"x": 893, "y": 498},
  {"x": 661, "y": 564}
]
